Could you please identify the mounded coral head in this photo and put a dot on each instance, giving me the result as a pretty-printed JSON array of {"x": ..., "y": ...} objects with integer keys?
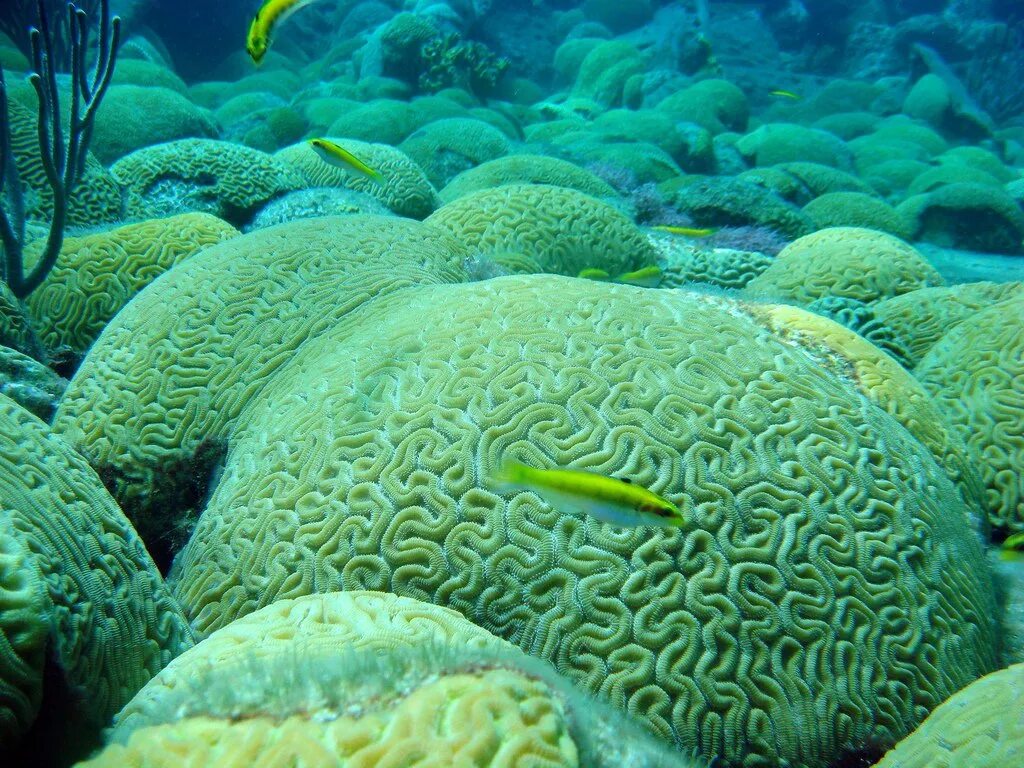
[
  {"x": 85, "y": 611},
  {"x": 821, "y": 533},
  {"x": 565, "y": 231},
  {"x": 404, "y": 187},
  {"x": 848, "y": 262},
  {"x": 369, "y": 676},
  {"x": 979, "y": 725}
]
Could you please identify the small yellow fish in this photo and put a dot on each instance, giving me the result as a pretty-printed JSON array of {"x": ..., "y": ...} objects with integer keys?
[
  {"x": 611, "y": 499},
  {"x": 1013, "y": 548},
  {"x": 341, "y": 158},
  {"x": 786, "y": 95},
  {"x": 647, "y": 277},
  {"x": 688, "y": 231},
  {"x": 270, "y": 14}
]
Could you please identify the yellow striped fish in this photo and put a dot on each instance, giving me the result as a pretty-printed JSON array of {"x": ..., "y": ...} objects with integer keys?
[
  {"x": 270, "y": 14},
  {"x": 1013, "y": 548},
  {"x": 688, "y": 231},
  {"x": 612, "y": 500},
  {"x": 785, "y": 94},
  {"x": 339, "y": 157},
  {"x": 646, "y": 277}
]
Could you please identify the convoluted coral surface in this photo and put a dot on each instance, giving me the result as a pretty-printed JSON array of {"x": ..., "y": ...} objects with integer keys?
[
  {"x": 404, "y": 187},
  {"x": 97, "y": 274},
  {"x": 75, "y": 583},
  {"x": 826, "y": 589},
  {"x": 974, "y": 372},
  {"x": 368, "y": 678},
  {"x": 564, "y": 230},
  {"x": 850, "y": 262},
  {"x": 174, "y": 369}
]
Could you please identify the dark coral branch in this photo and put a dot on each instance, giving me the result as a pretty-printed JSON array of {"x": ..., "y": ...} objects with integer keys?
[{"x": 63, "y": 158}]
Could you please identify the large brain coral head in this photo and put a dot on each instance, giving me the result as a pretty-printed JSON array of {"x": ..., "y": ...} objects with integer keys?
[{"x": 825, "y": 593}]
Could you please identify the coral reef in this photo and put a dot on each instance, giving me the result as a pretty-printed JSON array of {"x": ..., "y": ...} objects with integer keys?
[
  {"x": 404, "y": 187},
  {"x": 475, "y": 371},
  {"x": 83, "y": 601},
  {"x": 224, "y": 179}
]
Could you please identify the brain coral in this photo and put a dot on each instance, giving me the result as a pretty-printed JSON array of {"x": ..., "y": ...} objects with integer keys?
[
  {"x": 16, "y": 331},
  {"x": 29, "y": 383},
  {"x": 974, "y": 373},
  {"x": 683, "y": 263},
  {"x": 861, "y": 317},
  {"x": 404, "y": 189},
  {"x": 95, "y": 275},
  {"x": 728, "y": 202},
  {"x": 81, "y": 598},
  {"x": 787, "y": 142},
  {"x": 225, "y": 179},
  {"x": 981, "y": 725},
  {"x": 848, "y": 262},
  {"x": 526, "y": 169},
  {"x": 314, "y": 202},
  {"x": 96, "y": 198},
  {"x": 366, "y": 678},
  {"x": 564, "y": 230},
  {"x": 920, "y": 318},
  {"x": 445, "y": 148},
  {"x": 172, "y": 370},
  {"x": 825, "y": 591}
]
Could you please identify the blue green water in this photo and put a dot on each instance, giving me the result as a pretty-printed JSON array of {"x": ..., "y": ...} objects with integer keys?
[{"x": 289, "y": 289}]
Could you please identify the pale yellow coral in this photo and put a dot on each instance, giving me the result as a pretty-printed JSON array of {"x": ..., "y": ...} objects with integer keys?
[
  {"x": 981, "y": 726},
  {"x": 96, "y": 274}
]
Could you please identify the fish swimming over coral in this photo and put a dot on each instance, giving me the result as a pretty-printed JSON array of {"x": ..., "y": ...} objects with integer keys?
[
  {"x": 270, "y": 14},
  {"x": 1013, "y": 548},
  {"x": 340, "y": 157},
  {"x": 687, "y": 231},
  {"x": 645, "y": 277},
  {"x": 613, "y": 500},
  {"x": 785, "y": 95}
]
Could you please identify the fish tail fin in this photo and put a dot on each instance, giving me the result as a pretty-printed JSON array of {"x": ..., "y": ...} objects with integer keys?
[
  {"x": 509, "y": 475},
  {"x": 376, "y": 176}
]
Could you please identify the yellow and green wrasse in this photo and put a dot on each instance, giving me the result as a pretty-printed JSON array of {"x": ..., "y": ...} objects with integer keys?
[
  {"x": 613, "y": 500},
  {"x": 786, "y": 95},
  {"x": 1013, "y": 548},
  {"x": 646, "y": 277},
  {"x": 270, "y": 14},
  {"x": 688, "y": 231},
  {"x": 341, "y": 158}
]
